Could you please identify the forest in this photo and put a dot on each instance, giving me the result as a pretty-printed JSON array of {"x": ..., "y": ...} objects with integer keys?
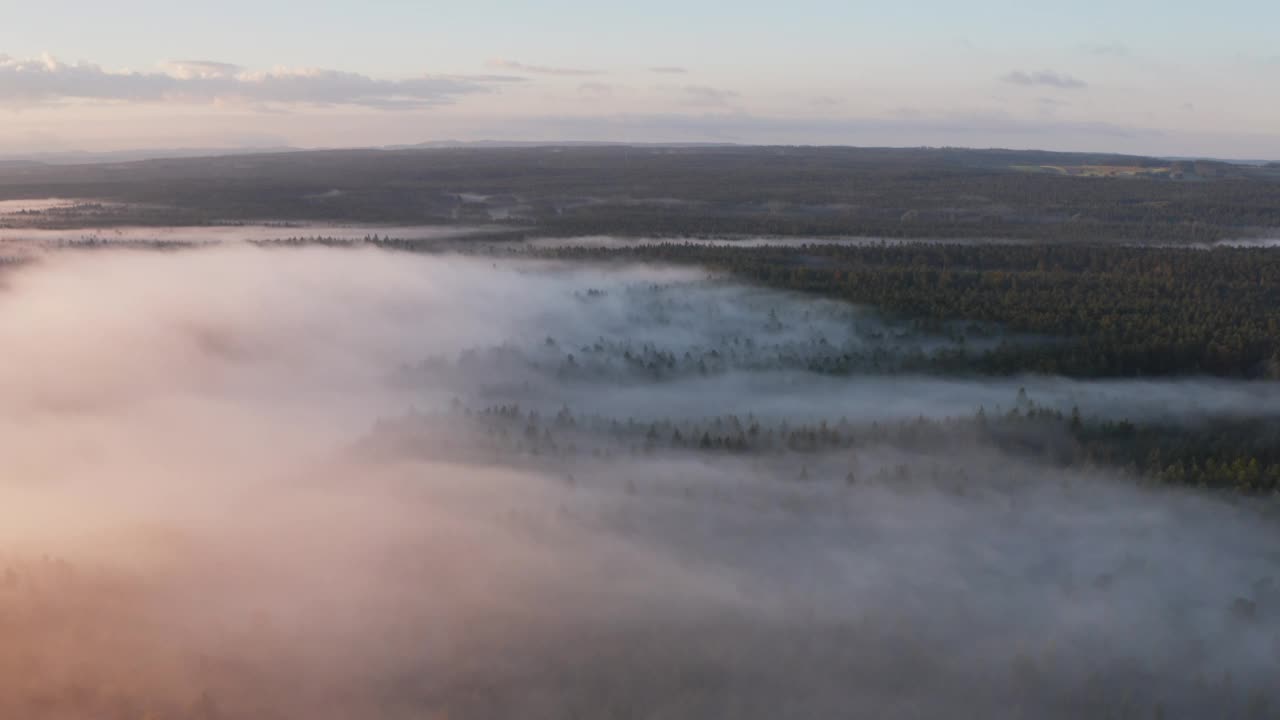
[
  {"x": 1117, "y": 311},
  {"x": 1240, "y": 455},
  {"x": 1008, "y": 310},
  {"x": 690, "y": 190}
]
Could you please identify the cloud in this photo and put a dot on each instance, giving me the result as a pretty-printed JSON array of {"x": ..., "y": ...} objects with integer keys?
[
  {"x": 47, "y": 79},
  {"x": 825, "y": 101},
  {"x": 516, "y": 66},
  {"x": 706, "y": 95},
  {"x": 202, "y": 69},
  {"x": 669, "y": 70},
  {"x": 595, "y": 90},
  {"x": 1044, "y": 78},
  {"x": 1048, "y": 107}
]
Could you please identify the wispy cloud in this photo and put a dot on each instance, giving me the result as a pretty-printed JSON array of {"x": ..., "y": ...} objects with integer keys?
[
  {"x": 668, "y": 70},
  {"x": 515, "y": 66},
  {"x": 1048, "y": 107},
  {"x": 595, "y": 90},
  {"x": 1044, "y": 78},
  {"x": 706, "y": 95},
  {"x": 47, "y": 79},
  {"x": 187, "y": 69}
]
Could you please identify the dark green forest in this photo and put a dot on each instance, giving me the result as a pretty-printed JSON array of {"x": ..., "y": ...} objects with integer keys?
[
  {"x": 1099, "y": 311},
  {"x": 682, "y": 191},
  {"x": 1116, "y": 311},
  {"x": 1237, "y": 455}
]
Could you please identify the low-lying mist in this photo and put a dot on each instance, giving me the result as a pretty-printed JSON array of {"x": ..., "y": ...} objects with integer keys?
[
  {"x": 237, "y": 232},
  {"x": 200, "y": 518}
]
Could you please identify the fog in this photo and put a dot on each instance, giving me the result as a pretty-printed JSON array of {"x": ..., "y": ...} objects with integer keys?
[
  {"x": 614, "y": 241},
  {"x": 1256, "y": 242},
  {"x": 35, "y": 205},
  {"x": 867, "y": 399},
  {"x": 749, "y": 241},
  {"x": 199, "y": 520},
  {"x": 208, "y": 234}
]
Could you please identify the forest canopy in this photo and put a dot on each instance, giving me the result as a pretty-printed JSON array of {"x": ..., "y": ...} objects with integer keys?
[{"x": 696, "y": 190}]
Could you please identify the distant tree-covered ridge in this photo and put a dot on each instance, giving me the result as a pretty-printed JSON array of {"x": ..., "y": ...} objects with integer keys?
[{"x": 793, "y": 191}]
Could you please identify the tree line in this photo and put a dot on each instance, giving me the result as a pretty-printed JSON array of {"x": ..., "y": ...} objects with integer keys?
[{"x": 1112, "y": 311}]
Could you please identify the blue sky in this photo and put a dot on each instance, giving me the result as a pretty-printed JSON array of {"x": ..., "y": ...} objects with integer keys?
[{"x": 1160, "y": 77}]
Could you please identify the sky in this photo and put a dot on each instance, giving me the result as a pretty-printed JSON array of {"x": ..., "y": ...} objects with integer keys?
[{"x": 1165, "y": 78}]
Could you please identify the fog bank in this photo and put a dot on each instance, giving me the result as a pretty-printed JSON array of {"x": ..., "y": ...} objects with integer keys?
[{"x": 193, "y": 527}]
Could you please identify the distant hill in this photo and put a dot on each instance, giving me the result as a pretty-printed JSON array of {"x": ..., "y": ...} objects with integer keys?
[
  {"x": 682, "y": 190},
  {"x": 439, "y": 144}
]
